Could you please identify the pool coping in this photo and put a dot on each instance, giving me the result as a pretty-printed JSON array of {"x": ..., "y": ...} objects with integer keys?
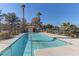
[{"x": 12, "y": 40}]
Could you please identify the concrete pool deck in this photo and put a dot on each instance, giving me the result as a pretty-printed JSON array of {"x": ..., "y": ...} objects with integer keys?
[{"x": 67, "y": 50}]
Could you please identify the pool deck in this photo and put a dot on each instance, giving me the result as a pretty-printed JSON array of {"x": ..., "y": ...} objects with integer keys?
[
  {"x": 6, "y": 43},
  {"x": 66, "y": 50}
]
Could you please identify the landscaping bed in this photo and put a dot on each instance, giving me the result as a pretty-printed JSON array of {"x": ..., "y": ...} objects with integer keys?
[{"x": 4, "y": 35}]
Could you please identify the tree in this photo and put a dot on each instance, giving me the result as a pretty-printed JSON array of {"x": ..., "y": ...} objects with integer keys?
[
  {"x": 23, "y": 18},
  {"x": 70, "y": 29},
  {"x": 11, "y": 20},
  {"x": 49, "y": 28},
  {"x": 73, "y": 31},
  {"x": 65, "y": 28},
  {"x": 56, "y": 29},
  {"x": 36, "y": 22},
  {"x": 38, "y": 14},
  {"x": 23, "y": 25},
  {"x": 18, "y": 26},
  {"x": 1, "y": 16}
]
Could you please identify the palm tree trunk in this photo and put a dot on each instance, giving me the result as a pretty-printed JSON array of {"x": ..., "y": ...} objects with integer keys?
[{"x": 0, "y": 25}]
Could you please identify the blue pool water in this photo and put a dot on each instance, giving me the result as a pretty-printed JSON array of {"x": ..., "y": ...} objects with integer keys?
[
  {"x": 28, "y": 43},
  {"x": 40, "y": 41},
  {"x": 17, "y": 48}
]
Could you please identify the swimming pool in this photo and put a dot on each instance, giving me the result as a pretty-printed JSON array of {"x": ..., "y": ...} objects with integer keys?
[
  {"x": 29, "y": 42},
  {"x": 40, "y": 41},
  {"x": 16, "y": 48}
]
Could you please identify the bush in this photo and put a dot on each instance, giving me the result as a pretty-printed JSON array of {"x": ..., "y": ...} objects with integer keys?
[
  {"x": 14, "y": 33},
  {"x": 4, "y": 35}
]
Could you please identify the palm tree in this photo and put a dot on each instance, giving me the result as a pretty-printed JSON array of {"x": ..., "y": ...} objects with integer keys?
[
  {"x": 0, "y": 25},
  {"x": 39, "y": 14},
  {"x": 39, "y": 23},
  {"x": 36, "y": 22},
  {"x": 23, "y": 9},
  {"x": 23, "y": 18},
  {"x": 0, "y": 19}
]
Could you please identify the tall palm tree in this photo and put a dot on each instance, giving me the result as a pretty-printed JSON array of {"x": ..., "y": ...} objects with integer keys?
[
  {"x": 23, "y": 18},
  {"x": 36, "y": 21},
  {"x": 23, "y": 9},
  {"x": 39, "y": 14},
  {"x": 0, "y": 19},
  {"x": 39, "y": 23}
]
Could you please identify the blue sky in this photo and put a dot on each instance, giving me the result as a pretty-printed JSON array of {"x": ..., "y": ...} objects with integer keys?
[{"x": 54, "y": 14}]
